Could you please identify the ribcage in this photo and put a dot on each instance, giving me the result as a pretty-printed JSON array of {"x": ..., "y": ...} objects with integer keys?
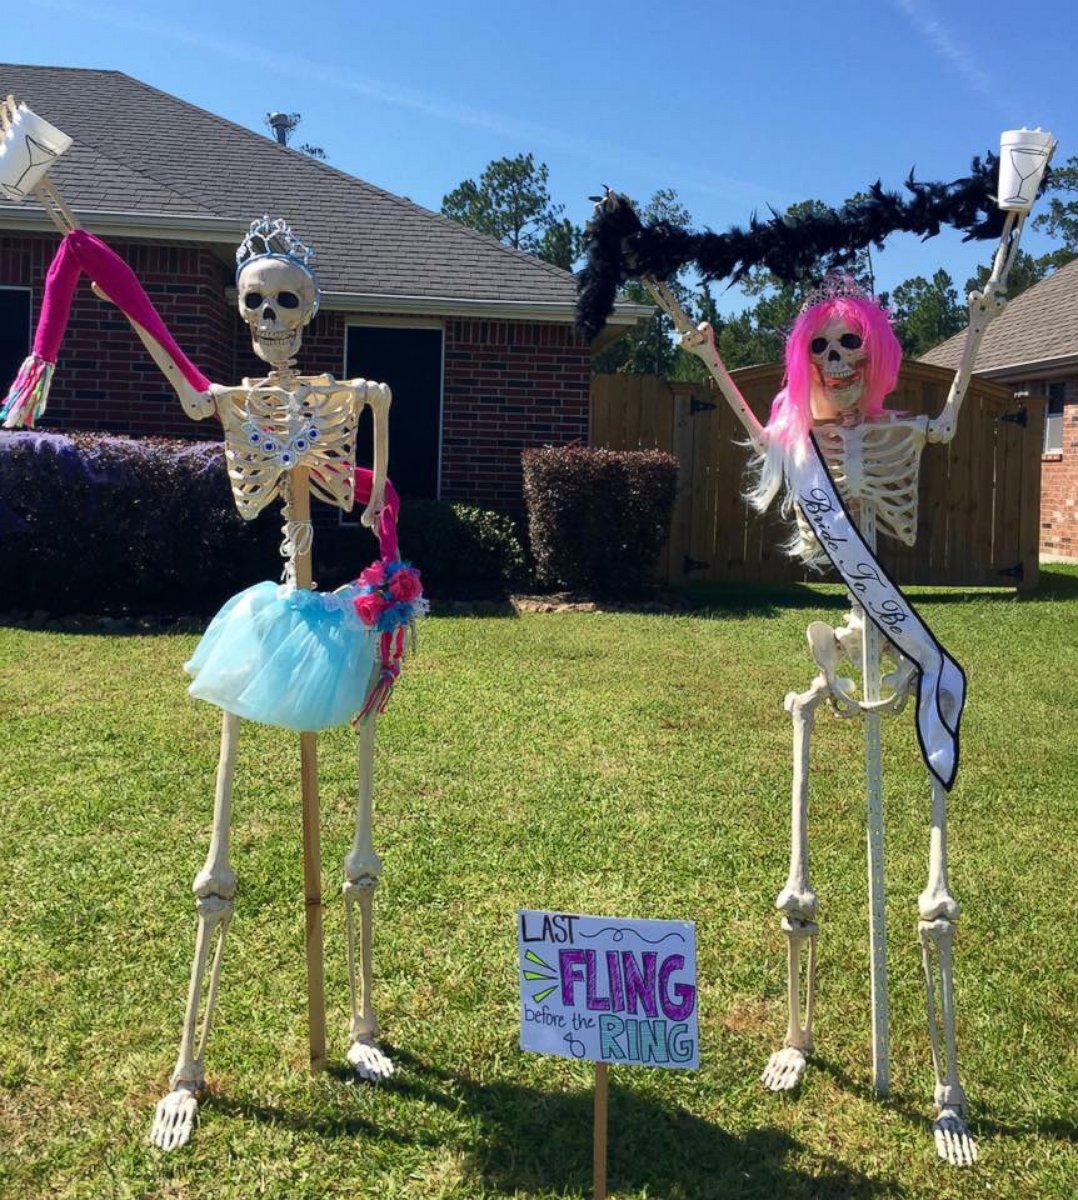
[
  {"x": 878, "y": 462},
  {"x": 269, "y": 431}
]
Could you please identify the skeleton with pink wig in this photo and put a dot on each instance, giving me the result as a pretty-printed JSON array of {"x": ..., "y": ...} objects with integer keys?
[{"x": 846, "y": 469}]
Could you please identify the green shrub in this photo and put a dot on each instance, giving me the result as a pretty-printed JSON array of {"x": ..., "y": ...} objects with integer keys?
[
  {"x": 463, "y": 550},
  {"x": 598, "y": 518}
]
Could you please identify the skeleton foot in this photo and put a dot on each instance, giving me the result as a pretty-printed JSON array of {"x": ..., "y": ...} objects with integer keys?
[
  {"x": 370, "y": 1061},
  {"x": 954, "y": 1142},
  {"x": 784, "y": 1069},
  {"x": 174, "y": 1119}
]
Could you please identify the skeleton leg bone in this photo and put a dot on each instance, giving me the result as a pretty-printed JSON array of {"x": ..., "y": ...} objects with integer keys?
[
  {"x": 938, "y": 912},
  {"x": 797, "y": 903},
  {"x": 362, "y": 870},
  {"x": 215, "y": 889}
]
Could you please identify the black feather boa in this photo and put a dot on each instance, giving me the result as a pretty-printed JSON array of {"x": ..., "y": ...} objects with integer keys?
[{"x": 621, "y": 247}]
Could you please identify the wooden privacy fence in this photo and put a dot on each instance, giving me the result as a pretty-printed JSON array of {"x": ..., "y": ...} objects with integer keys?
[{"x": 979, "y": 496}]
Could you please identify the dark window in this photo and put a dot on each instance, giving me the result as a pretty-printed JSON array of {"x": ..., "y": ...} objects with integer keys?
[
  {"x": 14, "y": 333},
  {"x": 410, "y": 361},
  {"x": 1053, "y": 419}
]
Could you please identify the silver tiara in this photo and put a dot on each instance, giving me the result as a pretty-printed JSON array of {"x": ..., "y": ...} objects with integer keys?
[
  {"x": 836, "y": 286},
  {"x": 273, "y": 239}
]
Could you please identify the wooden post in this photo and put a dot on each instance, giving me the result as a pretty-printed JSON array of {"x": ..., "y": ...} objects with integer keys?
[
  {"x": 599, "y": 1149},
  {"x": 312, "y": 847}
]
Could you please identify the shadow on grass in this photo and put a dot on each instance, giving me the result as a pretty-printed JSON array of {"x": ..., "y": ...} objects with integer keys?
[
  {"x": 982, "y": 1126},
  {"x": 715, "y": 601},
  {"x": 541, "y": 1141}
]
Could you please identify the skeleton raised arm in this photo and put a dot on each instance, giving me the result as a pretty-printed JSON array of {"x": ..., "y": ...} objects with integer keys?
[
  {"x": 984, "y": 307},
  {"x": 700, "y": 340},
  {"x": 285, "y": 420}
]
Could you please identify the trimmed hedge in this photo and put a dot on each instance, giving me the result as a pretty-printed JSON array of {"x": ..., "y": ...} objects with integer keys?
[
  {"x": 99, "y": 524},
  {"x": 598, "y": 518}
]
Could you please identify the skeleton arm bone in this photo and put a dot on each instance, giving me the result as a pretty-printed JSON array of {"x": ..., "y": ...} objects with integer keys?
[
  {"x": 197, "y": 405},
  {"x": 379, "y": 397},
  {"x": 984, "y": 307},
  {"x": 700, "y": 340}
]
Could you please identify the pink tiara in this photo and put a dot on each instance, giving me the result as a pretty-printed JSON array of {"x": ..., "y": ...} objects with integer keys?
[{"x": 836, "y": 286}]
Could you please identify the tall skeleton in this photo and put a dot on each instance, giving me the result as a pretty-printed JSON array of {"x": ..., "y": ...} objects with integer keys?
[
  {"x": 282, "y": 432},
  {"x": 874, "y": 464}
]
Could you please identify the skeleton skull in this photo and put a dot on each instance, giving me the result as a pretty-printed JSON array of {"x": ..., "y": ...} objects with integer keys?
[
  {"x": 838, "y": 359},
  {"x": 277, "y": 298}
]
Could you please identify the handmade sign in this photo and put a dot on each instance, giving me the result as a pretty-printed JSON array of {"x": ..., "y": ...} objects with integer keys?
[
  {"x": 280, "y": 653},
  {"x": 848, "y": 469},
  {"x": 609, "y": 990}
]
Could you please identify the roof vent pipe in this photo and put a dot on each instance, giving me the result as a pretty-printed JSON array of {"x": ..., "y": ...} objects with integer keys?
[{"x": 282, "y": 125}]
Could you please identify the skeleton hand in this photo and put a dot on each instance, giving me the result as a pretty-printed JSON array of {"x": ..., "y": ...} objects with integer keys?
[
  {"x": 372, "y": 514},
  {"x": 699, "y": 340},
  {"x": 987, "y": 305}
]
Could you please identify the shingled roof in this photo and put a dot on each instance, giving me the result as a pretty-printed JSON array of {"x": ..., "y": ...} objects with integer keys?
[
  {"x": 145, "y": 163},
  {"x": 1038, "y": 329}
]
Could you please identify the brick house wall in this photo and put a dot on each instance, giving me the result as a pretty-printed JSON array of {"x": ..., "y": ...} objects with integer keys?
[
  {"x": 104, "y": 378},
  {"x": 1059, "y": 481},
  {"x": 507, "y": 386}
]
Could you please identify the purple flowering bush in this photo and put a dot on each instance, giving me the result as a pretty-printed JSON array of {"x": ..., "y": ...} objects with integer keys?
[{"x": 93, "y": 523}]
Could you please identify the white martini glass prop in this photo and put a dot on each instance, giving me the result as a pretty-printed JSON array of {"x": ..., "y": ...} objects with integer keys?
[
  {"x": 1023, "y": 156},
  {"x": 29, "y": 147}
]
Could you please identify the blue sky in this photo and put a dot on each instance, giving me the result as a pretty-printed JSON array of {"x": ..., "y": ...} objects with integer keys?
[{"x": 736, "y": 106}]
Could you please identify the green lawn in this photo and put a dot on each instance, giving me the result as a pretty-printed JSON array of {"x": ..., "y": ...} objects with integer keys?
[{"x": 621, "y": 764}]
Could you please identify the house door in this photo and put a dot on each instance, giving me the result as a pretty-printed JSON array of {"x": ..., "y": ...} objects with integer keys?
[{"x": 409, "y": 359}]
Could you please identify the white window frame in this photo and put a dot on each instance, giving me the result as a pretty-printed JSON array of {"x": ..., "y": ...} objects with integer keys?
[{"x": 1053, "y": 421}]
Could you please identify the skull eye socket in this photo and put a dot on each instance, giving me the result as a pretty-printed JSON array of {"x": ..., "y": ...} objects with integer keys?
[
  {"x": 288, "y": 299},
  {"x": 253, "y": 300},
  {"x": 850, "y": 341},
  {"x": 819, "y": 345}
]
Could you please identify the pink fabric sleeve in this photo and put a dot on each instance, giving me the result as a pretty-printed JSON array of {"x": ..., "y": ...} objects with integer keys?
[
  {"x": 81, "y": 251},
  {"x": 387, "y": 524}
]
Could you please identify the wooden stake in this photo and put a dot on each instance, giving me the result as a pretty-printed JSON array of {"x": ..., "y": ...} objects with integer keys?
[
  {"x": 312, "y": 847},
  {"x": 599, "y": 1152}
]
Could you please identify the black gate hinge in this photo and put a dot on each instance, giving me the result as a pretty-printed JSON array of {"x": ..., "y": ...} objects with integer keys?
[
  {"x": 689, "y": 564},
  {"x": 1021, "y": 417},
  {"x": 699, "y": 406},
  {"x": 1018, "y": 571}
]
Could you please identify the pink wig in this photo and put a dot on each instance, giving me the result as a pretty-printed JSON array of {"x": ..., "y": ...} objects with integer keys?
[{"x": 791, "y": 412}]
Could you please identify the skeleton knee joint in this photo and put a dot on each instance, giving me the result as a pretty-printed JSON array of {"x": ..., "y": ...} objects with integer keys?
[
  {"x": 937, "y": 904},
  {"x": 938, "y": 932},
  {"x": 215, "y": 882},
  {"x": 362, "y": 870},
  {"x": 799, "y": 929},
  {"x": 797, "y": 903}
]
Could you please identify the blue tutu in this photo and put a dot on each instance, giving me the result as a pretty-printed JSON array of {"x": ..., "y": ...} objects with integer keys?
[{"x": 286, "y": 656}]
